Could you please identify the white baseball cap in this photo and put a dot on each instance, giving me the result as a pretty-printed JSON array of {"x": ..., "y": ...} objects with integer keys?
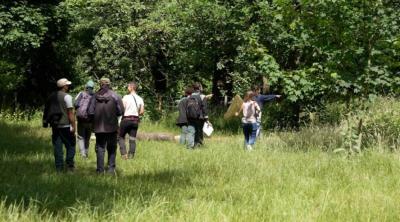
[{"x": 63, "y": 82}]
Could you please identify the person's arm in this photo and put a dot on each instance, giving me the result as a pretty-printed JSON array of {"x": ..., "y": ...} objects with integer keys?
[
  {"x": 141, "y": 111},
  {"x": 120, "y": 106},
  {"x": 70, "y": 112},
  {"x": 257, "y": 107},
  {"x": 204, "y": 108},
  {"x": 240, "y": 110},
  {"x": 141, "y": 106},
  {"x": 267, "y": 98},
  {"x": 71, "y": 118},
  {"x": 209, "y": 96}
]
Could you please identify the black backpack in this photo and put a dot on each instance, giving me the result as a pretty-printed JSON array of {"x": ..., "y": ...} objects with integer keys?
[
  {"x": 52, "y": 111},
  {"x": 193, "y": 107}
]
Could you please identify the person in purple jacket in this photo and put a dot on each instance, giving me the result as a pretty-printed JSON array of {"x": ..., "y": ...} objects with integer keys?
[{"x": 261, "y": 100}]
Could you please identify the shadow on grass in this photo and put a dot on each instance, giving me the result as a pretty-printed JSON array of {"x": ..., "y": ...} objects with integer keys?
[{"x": 27, "y": 175}]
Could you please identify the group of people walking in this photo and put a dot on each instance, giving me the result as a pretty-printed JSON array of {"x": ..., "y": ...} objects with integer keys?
[
  {"x": 193, "y": 115},
  {"x": 111, "y": 118},
  {"x": 102, "y": 112}
]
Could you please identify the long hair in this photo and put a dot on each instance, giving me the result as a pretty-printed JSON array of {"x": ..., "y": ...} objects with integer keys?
[{"x": 248, "y": 96}]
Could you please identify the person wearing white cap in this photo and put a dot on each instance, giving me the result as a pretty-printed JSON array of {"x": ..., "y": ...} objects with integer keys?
[{"x": 59, "y": 113}]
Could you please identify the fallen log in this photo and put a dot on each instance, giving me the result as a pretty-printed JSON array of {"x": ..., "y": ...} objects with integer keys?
[
  {"x": 157, "y": 136},
  {"x": 153, "y": 137}
]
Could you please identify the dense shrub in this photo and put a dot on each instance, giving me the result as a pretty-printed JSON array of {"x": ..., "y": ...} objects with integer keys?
[{"x": 381, "y": 123}]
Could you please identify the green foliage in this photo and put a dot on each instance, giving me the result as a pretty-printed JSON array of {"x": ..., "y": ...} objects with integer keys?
[
  {"x": 22, "y": 29},
  {"x": 312, "y": 52}
]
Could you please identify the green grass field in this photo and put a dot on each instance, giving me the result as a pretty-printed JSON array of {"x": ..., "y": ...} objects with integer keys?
[{"x": 291, "y": 176}]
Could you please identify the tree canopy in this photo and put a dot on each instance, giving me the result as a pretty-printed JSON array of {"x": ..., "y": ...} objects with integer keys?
[{"x": 310, "y": 51}]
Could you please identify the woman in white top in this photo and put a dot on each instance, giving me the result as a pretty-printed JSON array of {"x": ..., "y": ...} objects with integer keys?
[
  {"x": 250, "y": 110},
  {"x": 134, "y": 108}
]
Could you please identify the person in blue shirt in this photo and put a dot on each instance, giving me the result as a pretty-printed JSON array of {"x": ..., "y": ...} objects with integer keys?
[{"x": 261, "y": 100}]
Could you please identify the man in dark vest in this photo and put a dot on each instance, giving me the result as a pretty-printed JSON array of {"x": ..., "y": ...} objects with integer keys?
[
  {"x": 105, "y": 107},
  {"x": 59, "y": 113}
]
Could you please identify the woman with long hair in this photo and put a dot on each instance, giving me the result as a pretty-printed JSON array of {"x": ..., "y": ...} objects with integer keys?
[{"x": 250, "y": 110}]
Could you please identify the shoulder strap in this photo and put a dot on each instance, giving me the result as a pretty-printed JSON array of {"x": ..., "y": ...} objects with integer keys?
[{"x": 138, "y": 110}]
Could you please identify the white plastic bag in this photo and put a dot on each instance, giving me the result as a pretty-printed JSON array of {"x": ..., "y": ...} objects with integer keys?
[{"x": 208, "y": 129}]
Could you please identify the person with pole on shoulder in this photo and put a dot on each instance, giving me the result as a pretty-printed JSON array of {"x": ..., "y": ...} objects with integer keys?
[{"x": 134, "y": 108}]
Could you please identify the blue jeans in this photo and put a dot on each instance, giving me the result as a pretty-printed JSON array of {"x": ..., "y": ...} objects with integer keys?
[
  {"x": 187, "y": 136},
  {"x": 250, "y": 133},
  {"x": 59, "y": 137}
]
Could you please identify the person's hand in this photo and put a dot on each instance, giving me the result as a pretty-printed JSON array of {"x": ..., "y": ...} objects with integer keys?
[
  {"x": 209, "y": 96},
  {"x": 278, "y": 96},
  {"x": 236, "y": 114},
  {"x": 72, "y": 129}
]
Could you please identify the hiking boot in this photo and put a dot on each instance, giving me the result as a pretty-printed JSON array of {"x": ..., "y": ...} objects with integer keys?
[
  {"x": 70, "y": 169},
  {"x": 111, "y": 172},
  {"x": 124, "y": 157}
]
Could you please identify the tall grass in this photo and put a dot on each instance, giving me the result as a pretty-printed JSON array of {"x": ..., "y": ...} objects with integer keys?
[
  {"x": 290, "y": 176},
  {"x": 221, "y": 182}
]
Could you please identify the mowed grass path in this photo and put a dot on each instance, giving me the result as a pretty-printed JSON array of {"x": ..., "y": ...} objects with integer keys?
[{"x": 220, "y": 182}]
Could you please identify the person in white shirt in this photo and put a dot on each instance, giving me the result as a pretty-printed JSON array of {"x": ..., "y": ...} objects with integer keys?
[{"x": 134, "y": 108}]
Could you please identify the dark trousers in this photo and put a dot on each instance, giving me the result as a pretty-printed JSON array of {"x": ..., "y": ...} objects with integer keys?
[
  {"x": 198, "y": 127},
  {"x": 129, "y": 127},
  {"x": 106, "y": 141},
  {"x": 59, "y": 137}
]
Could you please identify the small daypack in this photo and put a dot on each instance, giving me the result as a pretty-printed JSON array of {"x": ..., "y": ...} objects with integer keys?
[
  {"x": 193, "y": 107},
  {"x": 83, "y": 105}
]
